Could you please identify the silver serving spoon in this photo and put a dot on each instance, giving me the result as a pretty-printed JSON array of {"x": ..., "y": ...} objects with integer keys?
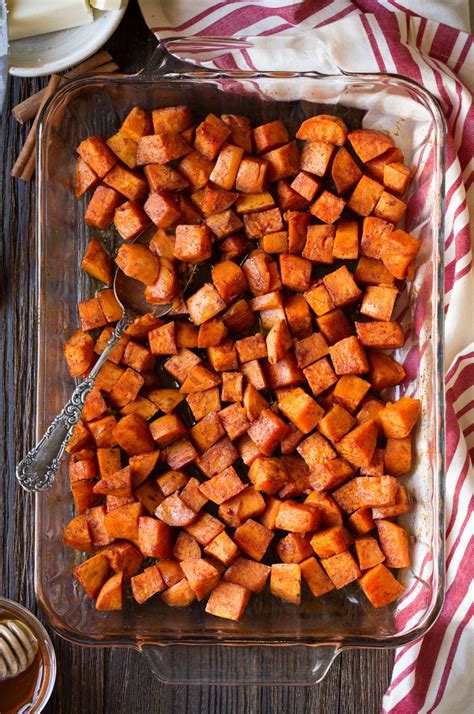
[
  {"x": 37, "y": 470},
  {"x": 18, "y": 648}
]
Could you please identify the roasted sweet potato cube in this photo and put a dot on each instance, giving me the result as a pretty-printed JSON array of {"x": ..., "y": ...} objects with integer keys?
[
  {"x": 301, "y": 410},
  {"x": 133, "y": 435},
  {"x": 228, "y": 600},
  {"x": 268, "y": 474},
  {"x": 117, "y": 484},
  {"x": 197, "y": 169},
  {"x": 232, "y": 387},
  {"x": 397, "y": 456},
  {"x": 401, "y": 505},
  {"x": 285, "y": 582},
  {"x": 97, "y": 262},
  {"x": 251, "y": 348},
  {"x": 295, "y": 272},
  {"x": 179, "y": 594},
  {"x": 380, "y": 335},
  {"x": 110, "y": 307},
  {"x": 389, "y": 207},
  {"x": 316, "y": 450},
  {"x": 329, "y": 510},
  {"x": 378, "y": 302},
  {"x": 97, "y": 155},
  {"x": 126, "y": 182},
  {"x": 380, "y": 586},
  {"x": 205, "y": 528},
  {"x": 154, "y": 537},
  {"x": 207, "y": 431},
  {"x": 77, "y": 535},
  {"x": 368, "y": 144},
  {"x": 123, "y": 522},
  {"x": 399, "y": 418},
  {"x": 306, "y": 185},
  {"x": 341, "y": 568},
  {"x": 285, "y": 373},
  {"x": 248, "y": 452},
  {"x": 288, "y": 199},
  {"x": 358, "y": 445},
  {"x": 223, "y": 486},
  {"x": 267, "y": 431},
  {"x": 246, "y": 504},
  {"x": 223, "y": 357},
  {"x": 167, "y": 429},
  {"x": 164, "y": 178},
  {"x": 331, "y": 541},
  {"x": 91, "y": 314},
  {"x": 327, "y": 207},
  {"x": 283, "y": 162},
  {"x": 316, "y": 156},
  {"x": 269, "y": 136},
  {"x": 319, "y": 244},
  {"x": 376, "y": 466},
  {"x": 147, "y": 584},
  {"x": 126, "y": 389},
  {"x": 172, "y": 119},
  {"x": 138, "y": 262},
  {"x": 82, "y": 469},
  {"x": 201, "y": 576},
  {"x": 192, "y": 496},
  {"x": 394, "y": 544},
  {"x": 370, "y": 410},
  {"x": 346, "y": 240},
  {"x": 375, "y": 167},
  {"x": 84, "y": 178},
  {"x": 298, "y": 316},
  {"x": 161, "y": 208},
  {"x": 142, "y": 406},
  {"x": 365, "y": 196},
  {"x": 259, "y": 223},
  {"x": 241, "y": 130},
  {"x": 136, "y": 124},
  {"x": 319, "y": 299},
  {"x": 320, "y": 376},
  {"x": 186, "y": 546},
  {"x": 315, "y": 577},
  {"x": 223, "y": 224},
  {"x": 350, "y": 390},
  {"x": 370, "y": 271},
  {"x": 138, "y": 357},
  {"x": 218, "y": 457},
  {"x": 83, "y": 495},
  {"x": 323, "y": 127},
  {"x": 125, "y": 148},
  {"x": 344, "y": 171},
  {"x": 101, "y": 208},
  {"x": 336, "y": 423},
  {"x": 376, "y": 491},
  {"x": 171, "y": 481},
  {"x": 161, "y": 148},
  {"x": 79, "y": 353},
  {"x": 210, "y": 135},
  {"x": 103, "y": 431},
  {"x": 297, "y": 517},
  {"x": 174, "y": 512},
  {"x": 203, "y": 403},
  {"x": 92, "y": 574},
  {"x": 368, "y": 552},
  {"x": 278, "y": 341},
  {"x": 124, "y": 558},
  {"x": 398, "y": 252},
  {"x": 234, "y": 420},
  {"x": 396, "y": 177},
  {"x": 384, "y": 370},
  {"x": 229, "y": 280},
  {"x": 294, "y": 548},
  {"x": 193, "y": 243},
  {"x": 211, "y": 333},
  {"x": 349, "y": 357},
  {"x": 171, "y": 572},
  {"x": 247, "y": 573},
  {"x": 186, "y": 334},
  {"x": 238, "y": 318},
  {"x": 274, "y": 242},
  {"x": 253, "y": 538},
  {"x": 81, "y": 438},
  {"x": 205, "y": 304},
  {"x": 163, "y": 340},
  {"x": 341, "y": 287},
  {"x": 108, "y": 461},
  {"x": 179, "y": 367},
  {"x": 227, "y": 165},
  {"x": 251, "y": 175},
  {"x": 199, "y": 379},
  {"x": 268, "y": 517},
  {"x": 374, "y": 232},
  {"x": 361, "y": 520},
  {"x": 330, "y": 474}
]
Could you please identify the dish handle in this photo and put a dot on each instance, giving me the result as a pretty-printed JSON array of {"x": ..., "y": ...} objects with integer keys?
[{"x": 240, "y": 664}]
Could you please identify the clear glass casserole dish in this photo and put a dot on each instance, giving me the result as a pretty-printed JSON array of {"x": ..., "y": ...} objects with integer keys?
[{"x": 274, "y": 642}]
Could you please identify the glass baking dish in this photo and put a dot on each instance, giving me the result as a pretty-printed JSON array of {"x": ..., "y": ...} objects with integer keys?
[{"x": 275, "y": 642}]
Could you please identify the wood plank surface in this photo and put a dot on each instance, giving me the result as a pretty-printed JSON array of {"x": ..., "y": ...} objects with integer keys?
[{"x": 93, "y": 681}]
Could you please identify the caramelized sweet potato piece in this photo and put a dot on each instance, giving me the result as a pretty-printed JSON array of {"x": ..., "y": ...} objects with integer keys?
[
  {"x": 161, "y": 148},
  {"x": 399, "y": 418},
  {"x": 316, "y": 157},
  {"x": 301, "y": 410},
  {"x": 267, "y": 431},
  {"x": 228, "y": 600},
  {"x": 380, "y": 335},
  {"x": 368, "y": 144},
  {"x": 92, "y": 574},
  {"x": 147, "y": 584},
  {"x": 79, "y": 353},
  {"x": 297, "y": 517},
  {"x": 268, "y": 474},
  {"x": 394, "y": 543},
  {"x": 319, "y": 244},
  {"x": 285, "y": 582},
  {"x": 365, "y": 196},
  {"x": 101, "y": 208},
  {"x": 282, "y": 162},
  {"x": 253, "y": 538},
  {"x": 380, "y": 586}
]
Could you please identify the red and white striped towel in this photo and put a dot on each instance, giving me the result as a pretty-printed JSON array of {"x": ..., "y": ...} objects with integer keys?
[{"x": 435, "y": 49}]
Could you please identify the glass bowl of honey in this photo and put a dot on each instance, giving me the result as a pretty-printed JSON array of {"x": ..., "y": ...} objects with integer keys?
[{"x": 27, "y": 661}]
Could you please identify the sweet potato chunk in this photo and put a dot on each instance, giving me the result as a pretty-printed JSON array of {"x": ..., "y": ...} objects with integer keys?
[
  {"x": 79, "y": 353},
  {"x": 268, "y": 474},
  {"x": 320, "y": 376},
  {"x": 282, "y": 162},
  {"x": 399, "y": 418},
  {"x": 380, "y": 586},
  {"x": 228, "y": 600},
  {"x": 161, "y": 209},
  {"x": 201, "y": 576},
  {"x": 341, "y": 568},
  {"x": 123, "y": 522},
  {"x": 161, "y": 148},
  {"x": 147, "y": 584},
  {"x": 84, "y": 178},
  {"x": 331, "y": 541},
  {"x": 349, "y": 357},
  {"x": 154, "y": 537},
  {"x": 247, "y": 573},
  {"x": 162, "y": 340},
  {"x": 368, "y": 552},
  {"x": 101, "y": 208},
  {"x": 301, "y": 410},
  {"x": 361, "y": 520},
  {"x": 378, "y": 302},
  {"x": 394, "y": 543},
  {"x": 229, "y": 280},
  {"x": 374, "y": 232},
  {"x": 329, "y": 510},
  {"x": 193, "y": 243},
  {"x": 267, "y": 431},
  {"x": 164, "y": 178},
  {"x": 218, "y": 457},
  {"x": 365, "y": 196},
  {"x": 316, "y": 157},
  {"x": 92, "y": 574},
  {"x": 297, "y": 517},
  {"x": 205, "y": 304},
  {"x": 323, "y": 127},
  {"x": 179, "y": 594},
  {"x": 223, "y": 357},
  {"x": 358, "y": 445},
  {"x": 380, "y": 335},
  {"x": 97, "y": 262},
  {"x": 389, "y": 207},
  {"x": 285, "y": 582},
  {"x": 77, "y": 535},
  {"x": 397, "y": 456},
  {"x": 241, "y": 130},
  {"x": 319, "y": 244},
  {"x": 294, "y": 548},
  {"x": 368, "y": 144},
  {"x": 205, "y": 528},
  {"x": 253, "y": 538},
  {"x": 197, "y": 169},
  {"x": 327, "y": 207},
  {"x": 133, "y": 435},
  {"x": 207, "y": 431},
  {"x": 336, "y": 423},
  {"x": 396, "y": 177},
  {"x": 344, "y": 171},
  {"x": 384, "y": 370},
  {"x": 97, "y": 155},
  {"x": 210, "y": 135},
  {"x": 398, "y": 252},
  {"x": 315, "y": 577},
  {"x": 232, "y": 387},
  {"x": 341, "y": 287},
  {"x": 316, "y": 450}
]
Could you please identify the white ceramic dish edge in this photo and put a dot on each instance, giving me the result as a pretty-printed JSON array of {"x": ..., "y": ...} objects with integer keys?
[{"x": 56, "y": 51}]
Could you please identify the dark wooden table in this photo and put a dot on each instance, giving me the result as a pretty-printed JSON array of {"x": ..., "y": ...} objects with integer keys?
[{"x": 92, "y": 681}]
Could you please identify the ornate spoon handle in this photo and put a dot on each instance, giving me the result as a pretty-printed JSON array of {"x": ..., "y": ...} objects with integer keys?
[{"x": 37, "y": 470}]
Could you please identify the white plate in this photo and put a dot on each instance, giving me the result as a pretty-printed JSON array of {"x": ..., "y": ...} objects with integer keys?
[{"x": 44, "y": 54}]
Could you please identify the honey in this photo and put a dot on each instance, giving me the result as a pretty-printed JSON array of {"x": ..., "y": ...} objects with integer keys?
[{"x": 23, "y": 690}]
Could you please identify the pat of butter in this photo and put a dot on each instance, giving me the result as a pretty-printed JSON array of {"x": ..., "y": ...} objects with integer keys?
[
  {"x": 107, "y": 4},
  {"x": 27, "y": 18}
]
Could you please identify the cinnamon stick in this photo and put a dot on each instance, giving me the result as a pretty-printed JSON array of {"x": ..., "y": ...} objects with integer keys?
[
  {"x": 26, "y": 110},
  {"x": 25, "y": 164}
]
